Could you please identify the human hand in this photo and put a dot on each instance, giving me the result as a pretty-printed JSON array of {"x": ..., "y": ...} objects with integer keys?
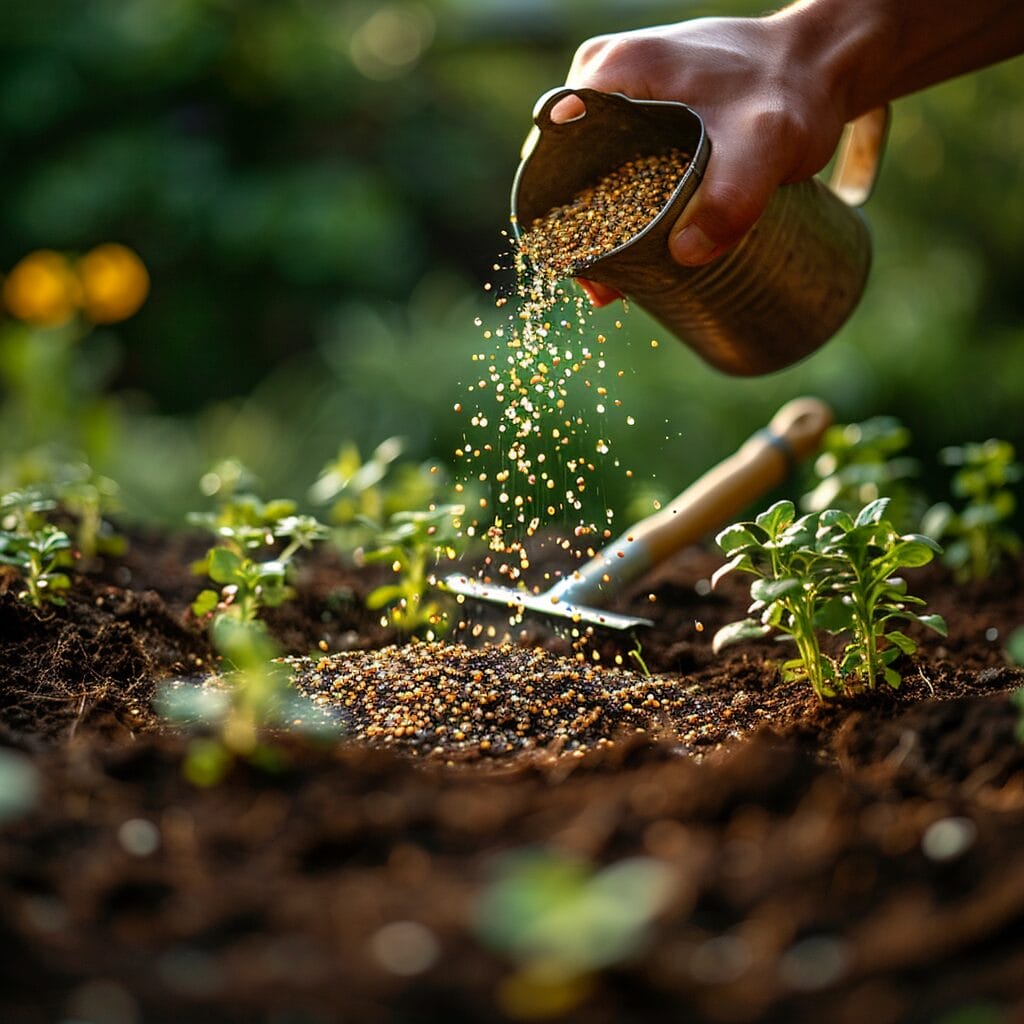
[{"x": 765, "y": 102}]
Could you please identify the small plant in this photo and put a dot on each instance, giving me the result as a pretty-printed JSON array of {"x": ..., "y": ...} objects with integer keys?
[
  {"x": 778, "y": 549},
  {"x": 413, "y": 542},
  {"x": 863, "y": 597},
  {"x": 561, "y": 920},
  {"x": 979, "y": 536},
  {"x": 88, "y": 498},
  {"x": 861, "y": 462},
  {"x": 636, "y": 652},
  {"x": 829, "y": 572},
  {"x": 351, "y": 486},
  {"x": 38, "y": 550},
  {"x": 246, "y": 526},
  {"x": 232, "y": 712},
  {"x": 363, "y": 495}
]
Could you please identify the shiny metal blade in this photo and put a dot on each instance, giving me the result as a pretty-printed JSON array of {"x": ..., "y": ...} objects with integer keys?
[{"x": 541, "y": 604}]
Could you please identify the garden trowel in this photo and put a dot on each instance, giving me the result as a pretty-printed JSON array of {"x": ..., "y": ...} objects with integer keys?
[{"x": 761, "y": 463}]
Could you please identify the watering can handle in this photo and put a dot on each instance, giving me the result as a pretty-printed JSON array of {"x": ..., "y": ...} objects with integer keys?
[{"x": 860, "y": 152}]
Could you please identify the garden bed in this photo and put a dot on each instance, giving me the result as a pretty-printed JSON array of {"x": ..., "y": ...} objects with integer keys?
[{"x": 858, "y": 861}]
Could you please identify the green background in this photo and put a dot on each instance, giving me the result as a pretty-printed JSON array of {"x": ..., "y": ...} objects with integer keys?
[{"x": 319, "y": 188}]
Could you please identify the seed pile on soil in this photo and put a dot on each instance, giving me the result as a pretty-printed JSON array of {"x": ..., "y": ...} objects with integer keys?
[
  {"x": 603, "y": 217},
  {"x": 442, "y": 699}
]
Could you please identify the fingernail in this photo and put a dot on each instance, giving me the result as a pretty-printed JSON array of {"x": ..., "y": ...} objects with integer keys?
[{"x": 691, "y": 246}]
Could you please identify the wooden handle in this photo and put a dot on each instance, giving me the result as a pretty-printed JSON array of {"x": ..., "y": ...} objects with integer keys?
[{"x": 762, "y": 462}]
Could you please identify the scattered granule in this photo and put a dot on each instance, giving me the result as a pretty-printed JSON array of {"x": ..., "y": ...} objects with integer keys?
[
  {"x": 440, "y": 699},
  {"x": 603, "y": 217},
  {"x": 533, "y": 439}
]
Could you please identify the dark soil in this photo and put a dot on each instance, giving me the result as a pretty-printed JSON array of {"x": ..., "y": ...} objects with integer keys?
[{"x": 856, "y": 862}]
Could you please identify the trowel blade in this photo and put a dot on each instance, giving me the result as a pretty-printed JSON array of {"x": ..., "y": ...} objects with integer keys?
[{"x": 545, "y": 603}]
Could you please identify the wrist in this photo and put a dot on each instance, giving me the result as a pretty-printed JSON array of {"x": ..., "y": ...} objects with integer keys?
[{"x": 844, "y": 48}]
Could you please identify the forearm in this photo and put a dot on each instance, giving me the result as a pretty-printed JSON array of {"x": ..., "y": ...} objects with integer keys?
[
  {"x": 873, "y": 51},
  {"x": 775, "y": 91}
]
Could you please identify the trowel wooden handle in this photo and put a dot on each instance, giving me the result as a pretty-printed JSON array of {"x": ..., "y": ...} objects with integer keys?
[{"x": 760, "y": 464}]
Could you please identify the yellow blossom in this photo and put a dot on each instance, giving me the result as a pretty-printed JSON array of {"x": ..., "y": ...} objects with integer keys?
[
  {"x": 42, "y": 289},
  {"x": 114, "y": 282}
]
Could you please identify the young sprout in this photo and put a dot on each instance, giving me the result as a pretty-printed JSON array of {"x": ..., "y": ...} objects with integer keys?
[
  {"x": 778, "y": 549},
  {"x": 38, "y": 550},
  {"x": 860, "y": 462},
  {"x": 829, "y": 572},
  {"x": 363, "y": 495},
  {"x": 232, "y": 713},
  {"x": 413, "y": 542},
  {"x": 864, "y": 599},
  {"x": 565, "y": 919},
  {"x": 979, "y": 536},
  {"x": 636, "y": 653},
  {"x": 88, "y": 497},
  {"x": 244, "y": 526}
]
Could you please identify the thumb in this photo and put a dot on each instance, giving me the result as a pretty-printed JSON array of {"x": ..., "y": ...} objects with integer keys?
[{"x": 724, "y": 208}]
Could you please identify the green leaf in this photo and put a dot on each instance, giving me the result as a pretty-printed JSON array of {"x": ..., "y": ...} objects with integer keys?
[
  {"x": 738, "y": 632},
  {"x": 938, "y": 520},
  {"x": 224, "y": 565},
  {"x": 835, "y": 615},
  {"x": 913, "y": 553},
  {"x": 53, "y": 542},
  {"x": 902, "y": 641},
  {"x": 892, "y": 677},
  {"x": 835, "y": 517},
  {"x": 735, "y": 536},
  {"x": 776, "y": 518},
  {"x": 799, "y": 533},
  {"x": 56, "y": 581},
  {"x": 741, "y": 563},
  {"x": 873, "y": 512},
  {"x": 383, "y": 596},
  {"x": 935, "y": 622},
  {"x": 770, "y": 591},
  {"x": 205, "y": 603}
]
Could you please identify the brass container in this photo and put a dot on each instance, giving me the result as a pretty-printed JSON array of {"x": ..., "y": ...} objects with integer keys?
[{"x": 774, "y": 298}]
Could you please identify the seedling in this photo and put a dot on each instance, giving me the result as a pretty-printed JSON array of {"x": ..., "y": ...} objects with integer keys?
[
  {"x": 413, "y": 542},
  {"x": 636, "y": 653},
  {"x": 829, "y": 572},
  {"x": 363, "y": 495},
  {"x": 861, "y": 462},
  {"x": 245, "y": 526},
  {"x": 567, "y": 918},
  {"x": 88, "y": 497},
  {"x": 233, "y": 712},
  {"x": 979, "y": 536},
  {"x": 863, "y": 599},
  {"x": 37, "y": 549},
  {"x": 351, "y": 486},
  {"x": 778, "y": 549}
]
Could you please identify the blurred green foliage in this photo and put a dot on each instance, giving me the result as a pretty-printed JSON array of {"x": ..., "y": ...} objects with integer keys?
[{"x": 318, "y": 188}]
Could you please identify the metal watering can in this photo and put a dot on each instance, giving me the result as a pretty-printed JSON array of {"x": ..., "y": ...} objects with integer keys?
[{"x": 774, "y": 298}]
